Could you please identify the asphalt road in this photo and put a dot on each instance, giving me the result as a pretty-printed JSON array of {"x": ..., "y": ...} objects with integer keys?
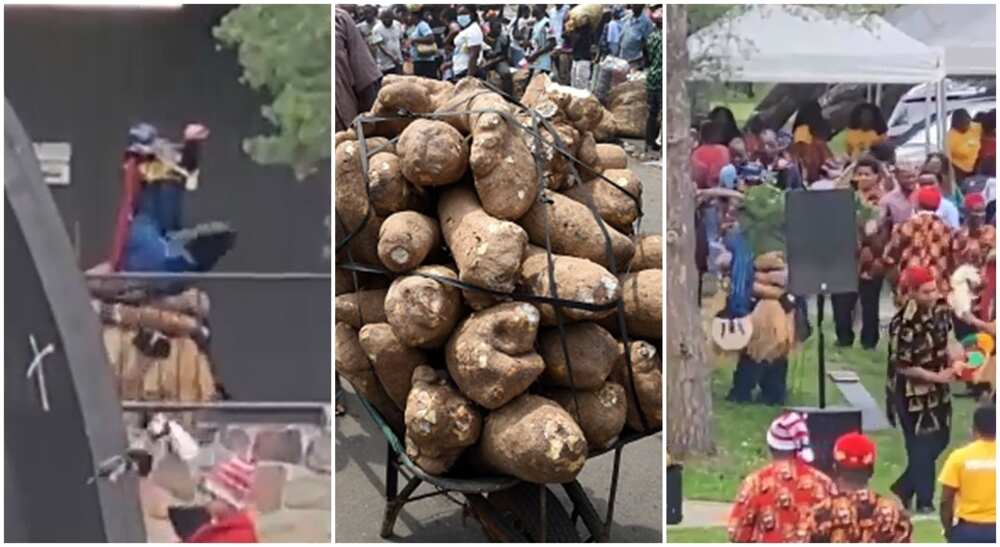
[
  {"x": 359, "y": 484},
  {"x": 360, "y": 451}
]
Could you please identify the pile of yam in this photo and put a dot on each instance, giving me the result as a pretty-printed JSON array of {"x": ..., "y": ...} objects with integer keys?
[{"x": 450, "y": 343}]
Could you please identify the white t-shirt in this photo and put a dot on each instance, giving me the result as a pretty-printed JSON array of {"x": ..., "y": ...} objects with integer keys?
[
  {"x": 389, "y": 39},
  {"x": 470, "y": 37}
]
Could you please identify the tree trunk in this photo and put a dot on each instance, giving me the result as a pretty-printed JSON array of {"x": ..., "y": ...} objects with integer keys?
[
  {"x": 784, "y": 99},
  {"x": 689, "y": 397}
]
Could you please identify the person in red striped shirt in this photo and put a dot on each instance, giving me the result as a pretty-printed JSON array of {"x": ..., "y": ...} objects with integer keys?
[
  {"x": 772, "y": 501},
  {"x": 229, "y": 485}
]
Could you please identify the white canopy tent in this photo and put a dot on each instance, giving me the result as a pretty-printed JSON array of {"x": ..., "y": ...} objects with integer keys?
[
  {"x": 966, "y": 33},
  {"x": 796, "y": 44}
]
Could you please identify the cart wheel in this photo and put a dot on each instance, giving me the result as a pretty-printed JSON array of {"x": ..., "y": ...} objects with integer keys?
[{"x": 519, "y": 506}]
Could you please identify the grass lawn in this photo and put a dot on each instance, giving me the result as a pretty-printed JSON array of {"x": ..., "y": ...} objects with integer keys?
[
  {"x": 924, "y": 531},
  {"x": 740, "y": 428}
]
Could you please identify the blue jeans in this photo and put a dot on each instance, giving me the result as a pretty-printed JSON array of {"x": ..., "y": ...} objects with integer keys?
[{"x": 973, "y": 532}]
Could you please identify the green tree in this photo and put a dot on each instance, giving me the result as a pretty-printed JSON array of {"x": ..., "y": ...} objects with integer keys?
[{"x": 285, "y": 52}]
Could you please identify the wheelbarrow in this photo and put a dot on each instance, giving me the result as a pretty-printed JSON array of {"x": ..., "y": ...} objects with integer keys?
[{"x": 509, "y": 509}]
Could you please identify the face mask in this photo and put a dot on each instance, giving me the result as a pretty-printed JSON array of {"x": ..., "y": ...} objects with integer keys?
[{"x": 464, "y": 20}]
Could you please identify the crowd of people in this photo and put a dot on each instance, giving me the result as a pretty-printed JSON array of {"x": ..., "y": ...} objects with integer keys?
[
  {"x": 495, "y": 43},
  {"x": 927, "y": 231}
]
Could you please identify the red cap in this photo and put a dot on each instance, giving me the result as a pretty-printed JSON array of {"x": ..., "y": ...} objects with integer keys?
[
  {"x": 929, "y": 198},
  {"x": 915, "y": 276},
  {"x": 854, "y": 451},
  {"x": 974, "y": 201}
]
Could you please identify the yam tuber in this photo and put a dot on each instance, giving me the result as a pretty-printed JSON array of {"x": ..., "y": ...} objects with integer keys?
[
  {"x": 397, "y": 95},
  {"x": 406, "y": 238},
  {"x": 612, "y": 156},
  {"x": 487, "y": 250},
  {"x": 505, "y": 174},
  {"x": 388, "y": 190},
  {"x": 423, "y": 311},
  {"x": 533, "y": 439},
  {"x": 352, "y": 363},
  {"x": 351, "y": 199},
  {"x": 592, "y": 353},
  {"x": 648, "y": 253},
  {"x": 647, "y": 372},
  {"x": 601, "y": 413},
  {"x": 357, "y": 309},
  {"x": 491, "y": 356},
  {"x": 440, "y": 421},
  {"x": 577, "y": 279},
  {"x": 642, "y": 296},
  {"x": 586, "y": 152},
  {"x": 437, "y": 90},
  {"x": 432, "y": 153},
  {"x": 363, "y": 247},
  {"x": 615, "y": 206},
  {"x": 574, "y": 231},
  {"x": 392, "y": 361}
]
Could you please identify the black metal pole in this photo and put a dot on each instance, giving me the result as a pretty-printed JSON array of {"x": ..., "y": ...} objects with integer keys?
[{"x": 820, "y": 304}]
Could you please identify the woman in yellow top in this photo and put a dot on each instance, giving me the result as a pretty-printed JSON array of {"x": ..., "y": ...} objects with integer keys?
[
  {"x": 810, "y": 132},
  {"x": 865, "y": 130},
  {"x": 963, "y": 143}
]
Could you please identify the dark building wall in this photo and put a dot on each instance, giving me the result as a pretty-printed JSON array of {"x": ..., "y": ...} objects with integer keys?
[{"x": 84, "y": 75}]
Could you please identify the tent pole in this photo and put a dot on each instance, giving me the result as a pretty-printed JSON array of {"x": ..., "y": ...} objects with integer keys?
[
  {"x": 942, "y": 116},
  {"x": 927, "y": 117}
]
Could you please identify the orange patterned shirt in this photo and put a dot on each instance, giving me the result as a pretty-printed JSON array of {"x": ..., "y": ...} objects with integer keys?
[
  {"x": 872, "y": 237},
  {"x": 969, "y": 249},
  {"x": 772, "y": 501},
  {"x": 861, "y": 516},
  {"x": 923, "y": 240}
]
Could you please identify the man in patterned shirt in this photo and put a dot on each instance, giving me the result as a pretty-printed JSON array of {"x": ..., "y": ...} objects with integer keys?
[
  {"x": 855, "y": 513},
  {"x": 973, "y": 244},
  {"x": 923, "y": 241},
  {"x": 873, "y": 235},
  {"x": 976, "y": 239},
  {"x": 917, "y": 391},
  {"x": 771, "y": 501}
]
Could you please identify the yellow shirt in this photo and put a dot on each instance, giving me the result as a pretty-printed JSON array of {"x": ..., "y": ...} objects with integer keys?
[
  {"x": 858, "y": 141},
  {"x": 972, "y": 471},
  {"x": 802, "y": 134},
  {"x": 963, "y": 148}
]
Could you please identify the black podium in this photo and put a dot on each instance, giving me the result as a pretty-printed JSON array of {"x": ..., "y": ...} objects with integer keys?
[{"x": 826, "y": 425}]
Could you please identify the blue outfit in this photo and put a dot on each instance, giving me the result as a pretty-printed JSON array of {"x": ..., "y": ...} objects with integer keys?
[
  {"x": 635, "y": 30},
  {"x": 949, "y": 213},
  {"x": 540, "y": 35},
  {"x": 421, "y": 30},
  {"x": 741, "y": 273},
  {"x": 612, "y": 37},
  {"x": 147, "y": 250}
]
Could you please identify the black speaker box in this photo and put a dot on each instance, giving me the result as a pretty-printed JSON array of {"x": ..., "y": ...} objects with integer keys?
[
  {"x": 821, "y": 241},
  {"x": 825, "y": 427},
  {"x": 675, "y": 494}
]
